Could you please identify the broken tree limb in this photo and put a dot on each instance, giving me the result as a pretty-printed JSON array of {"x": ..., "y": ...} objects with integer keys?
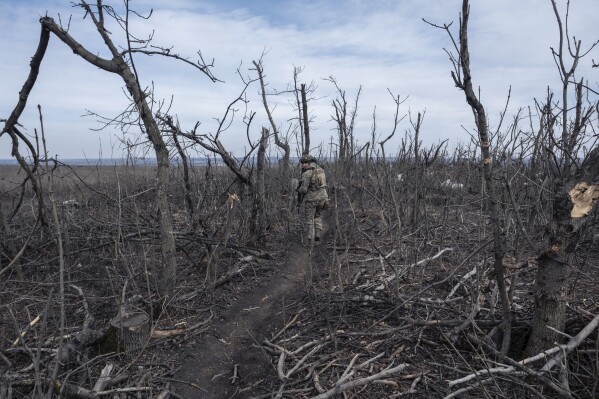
[
  {"x": 168, "y": 333},
  {"x": 292, "y": 322},
  {"x": 24, "y": 331},
  {"x": 82, "y": 339},
  {"x": 237, "y": 271},
  {"x": 583, "y": 197},
  {"x": 572, "y": 344},
  {"x": 485, "y": 372},
  {"x": 464, "y": 278},
  {"x": 104, "y": 379},
  {"x": 406, "y": 268},
  {"x": 339, "y": 388},
  {"x": 512, "y": 368}
]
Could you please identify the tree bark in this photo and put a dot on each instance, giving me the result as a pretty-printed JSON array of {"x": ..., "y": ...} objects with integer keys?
[{"x": 550, "y": 304}]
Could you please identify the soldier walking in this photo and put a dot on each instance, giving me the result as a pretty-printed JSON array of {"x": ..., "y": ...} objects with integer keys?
[{"x": 313, "y": 189}]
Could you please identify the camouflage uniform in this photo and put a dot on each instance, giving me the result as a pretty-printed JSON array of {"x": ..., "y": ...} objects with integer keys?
[{"x": 313, "y": 187}]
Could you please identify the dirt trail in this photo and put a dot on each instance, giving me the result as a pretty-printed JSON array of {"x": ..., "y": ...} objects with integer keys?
[{"x": 209, "y": 368}]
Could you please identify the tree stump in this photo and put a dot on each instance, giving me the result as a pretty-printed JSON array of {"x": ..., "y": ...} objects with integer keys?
[{"x": 128, "y": 333}]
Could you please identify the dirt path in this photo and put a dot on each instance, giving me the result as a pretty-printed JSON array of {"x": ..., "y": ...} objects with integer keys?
[{"x": 229, "y": 344}]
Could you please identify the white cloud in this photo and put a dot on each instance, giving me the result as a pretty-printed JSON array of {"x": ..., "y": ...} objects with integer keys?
[{"x": 376, "y": 45}]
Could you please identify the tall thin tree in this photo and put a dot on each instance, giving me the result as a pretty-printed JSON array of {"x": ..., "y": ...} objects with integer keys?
[
  {"x": 462, "y": 77},
  {"x": 121, "y": 63}
]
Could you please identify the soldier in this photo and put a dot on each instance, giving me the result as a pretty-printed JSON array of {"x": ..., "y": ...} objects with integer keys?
[{"x": 313, "y": 189}]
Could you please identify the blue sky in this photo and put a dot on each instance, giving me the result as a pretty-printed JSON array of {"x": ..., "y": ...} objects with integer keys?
[{"x": 378, "y": 45}]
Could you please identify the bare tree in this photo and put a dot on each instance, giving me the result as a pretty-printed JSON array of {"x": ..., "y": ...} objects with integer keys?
[
  {"x": 419, "y": 168},
  {"x": 284, "y": 145},
  {"x": 213, "y": 142},
  {"x": 300, "y": 100},
  {"x": 345, "y": 119},
  {"x": 396, "y": 120},
  {"x": 10, "y": 128},
  {"x": 254, "y": 182},
  {"x": 122, "y": 64},
  {"x": 462, "y": 78},
  {"x": 259, "y": 211},
  {"x": 564, "y": 171},
  {"x": 186, "y": 178}
]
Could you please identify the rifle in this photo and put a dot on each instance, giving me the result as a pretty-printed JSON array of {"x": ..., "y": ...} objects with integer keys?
[{"x": 300, "y": 197}]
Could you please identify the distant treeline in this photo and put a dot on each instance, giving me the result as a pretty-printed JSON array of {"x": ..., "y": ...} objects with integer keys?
[
  {"x": 199, "y": 161},
  {"x": 137, "y": 161}
]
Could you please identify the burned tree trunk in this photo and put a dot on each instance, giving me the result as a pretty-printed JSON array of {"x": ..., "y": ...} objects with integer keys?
[
  {"x": 186, "y": 179},
  {"x": 305, "y": 119},
  {"x": 554, "y": 269},
  {"x": 550, "y": 303},
  {"x": 464, "y": 82},
  {"x": 259, "y": 213}
]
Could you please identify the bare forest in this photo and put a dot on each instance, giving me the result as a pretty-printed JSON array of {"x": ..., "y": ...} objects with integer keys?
[{"x": 462, "y": 273}]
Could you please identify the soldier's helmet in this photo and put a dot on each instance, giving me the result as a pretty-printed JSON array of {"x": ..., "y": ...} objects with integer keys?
[{"x": 307, "y": 158}]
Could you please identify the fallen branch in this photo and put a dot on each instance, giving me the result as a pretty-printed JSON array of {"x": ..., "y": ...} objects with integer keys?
[
  {"x": 339, "y": 388},
  {"x": 239, "y": 270},
  {"x": 84, "y": 338},
  {"x": 513, "y": 368},
  {"x": 405, "y": 269},
  {"x": 572, "y": 344},
  {"x": 182, "y": 331},
  {"x": 465, "y": 277},
  {"x": 291, "y": 323},
  {"x": 104, "y": 380}
]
